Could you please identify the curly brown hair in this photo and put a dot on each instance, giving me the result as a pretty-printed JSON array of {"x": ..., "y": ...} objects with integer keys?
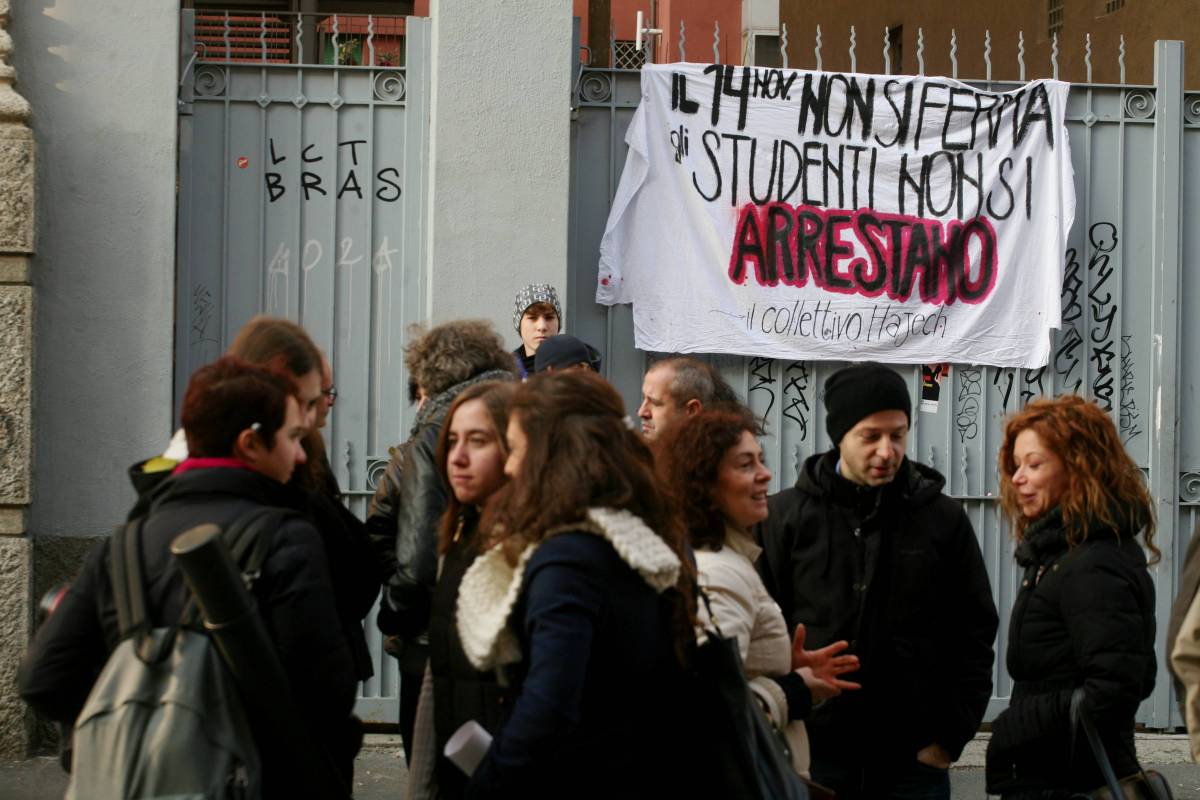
[
  {"x": 1103, "y": 483},
  {"x": 581, "y": 453},
  {"x": 495, "y": 395},
  {"x": 453, "y": 352},
  {"x": 688, "y": 460}
]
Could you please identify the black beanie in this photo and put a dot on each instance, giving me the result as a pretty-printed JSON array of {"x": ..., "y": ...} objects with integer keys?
[{"x": 859, "y": 391}]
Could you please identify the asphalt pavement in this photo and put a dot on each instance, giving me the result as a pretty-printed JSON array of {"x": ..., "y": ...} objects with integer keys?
[{"x": 380, "y": 773}]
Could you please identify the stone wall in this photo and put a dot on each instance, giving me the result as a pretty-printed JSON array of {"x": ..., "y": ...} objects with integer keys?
[{"x": 16, "y": 339}]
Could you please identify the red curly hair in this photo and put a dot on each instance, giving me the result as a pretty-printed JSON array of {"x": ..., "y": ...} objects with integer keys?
[
  {"x": 688, "y": 460},
  {"x": 1103, "y": 483}
]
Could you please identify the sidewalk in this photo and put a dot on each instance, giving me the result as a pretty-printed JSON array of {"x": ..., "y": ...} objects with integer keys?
[{"x": 379, "y": 772}]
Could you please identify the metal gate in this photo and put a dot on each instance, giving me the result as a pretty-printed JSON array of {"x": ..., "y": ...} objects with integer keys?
[
  {"x": 303, "y": 144},
  {"x": 1125, "y": 342}
]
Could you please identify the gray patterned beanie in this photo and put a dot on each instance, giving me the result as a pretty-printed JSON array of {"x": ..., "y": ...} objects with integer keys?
[{"x": 535, "y": 293}]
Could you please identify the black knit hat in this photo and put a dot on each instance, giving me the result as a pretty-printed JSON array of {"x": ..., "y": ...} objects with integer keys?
[
  {"x": 859, "y": 391},
  {"x": 564, "y": 350}
]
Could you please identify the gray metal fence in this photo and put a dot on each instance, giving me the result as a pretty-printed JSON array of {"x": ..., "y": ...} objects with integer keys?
[
  {"x": 302, "y": 195},
  {"x": 1125, "y": 342}
]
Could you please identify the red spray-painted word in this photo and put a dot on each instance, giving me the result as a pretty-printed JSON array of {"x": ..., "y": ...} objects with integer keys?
[{"x": 795, "y": 243}]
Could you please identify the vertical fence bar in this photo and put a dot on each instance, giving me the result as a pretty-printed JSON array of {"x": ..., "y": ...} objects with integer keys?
[
  {"x": 817, "y": 48},
  {"x": 370, "y": 41},
  {"x": 1021, "y": 54},
  {"x": 1121, "y": 58},
  {"x": 987, "y": 54},
  {"x": 717, "y": 42},
  {"x": 887, "y": 51},
  {"x": 954, "y": 53},
  {"x": 783, "y": 43},
  {"x": 1165, "y": 288},
  {"x": 853, "y": 46},
  {"x": 1054, "y": 55},
  {"x": 1087, "y": 58},
  {"x": 920, "y": 51},
  {"x": 681, "y": 38}
]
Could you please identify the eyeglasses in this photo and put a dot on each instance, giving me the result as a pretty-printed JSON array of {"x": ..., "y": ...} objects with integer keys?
[{"x": 331, "y": 393}]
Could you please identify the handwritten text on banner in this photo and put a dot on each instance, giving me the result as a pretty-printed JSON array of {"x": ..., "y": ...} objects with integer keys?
[{"x": 813, "y": 215}]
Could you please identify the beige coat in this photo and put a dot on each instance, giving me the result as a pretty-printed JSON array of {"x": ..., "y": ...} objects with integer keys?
[
  {"x": 1185, "y": 659},
  {"x": 744, "y": 610}
]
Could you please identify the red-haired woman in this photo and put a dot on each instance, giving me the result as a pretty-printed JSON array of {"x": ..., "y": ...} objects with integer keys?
[
  {"x": 583, "y": 603},
  {"x": 1084, "y": 613},
  {"x": 712, "y": 465}
]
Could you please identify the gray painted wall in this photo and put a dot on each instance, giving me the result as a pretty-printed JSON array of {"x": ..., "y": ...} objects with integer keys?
[
  {"x": 101, "y": 81},
  {"x": 500, "y": 155}
]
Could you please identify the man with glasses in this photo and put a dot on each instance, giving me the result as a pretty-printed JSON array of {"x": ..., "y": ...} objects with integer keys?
[{"x": 329, "y": 392}]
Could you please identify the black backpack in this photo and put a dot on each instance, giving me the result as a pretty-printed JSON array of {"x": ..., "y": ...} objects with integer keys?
[{"x": 165, "y": 719}]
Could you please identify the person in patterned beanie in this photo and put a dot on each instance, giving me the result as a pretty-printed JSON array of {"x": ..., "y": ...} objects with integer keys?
[{"x": 537, "y": 315}]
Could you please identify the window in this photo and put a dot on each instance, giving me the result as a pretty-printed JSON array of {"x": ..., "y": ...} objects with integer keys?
[
  {"x": 767, "y": 52},
  {"x": 625, "y": 55},
  {"x": 1054, "y": 10},
  {"x": 1113, "y": 5},
  {"x": 896, "y": 50}
]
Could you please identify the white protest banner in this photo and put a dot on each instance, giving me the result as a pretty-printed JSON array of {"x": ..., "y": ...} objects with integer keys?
[{"x": 815, "y": 215}]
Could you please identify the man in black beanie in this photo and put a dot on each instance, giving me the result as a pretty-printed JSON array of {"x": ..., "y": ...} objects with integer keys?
[{"x": 866, "y": 548}]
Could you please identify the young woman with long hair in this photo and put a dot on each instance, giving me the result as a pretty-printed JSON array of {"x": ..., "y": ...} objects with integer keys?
[
  {"x": 1083, "y": 618},
  {"x": 712, "y": 465},
  {"x": 584, "y": 603},
  {"x": 471, "y": 452}
]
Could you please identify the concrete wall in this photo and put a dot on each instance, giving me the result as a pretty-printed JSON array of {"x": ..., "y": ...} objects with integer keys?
[
  {"x": 102, "y": 87},
  {"x": 499, "y": 155}
]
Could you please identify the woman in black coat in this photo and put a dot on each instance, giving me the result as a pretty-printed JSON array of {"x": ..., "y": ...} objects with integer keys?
[
  {"x": 583, "y": 603},
  {"x": 471, "y": 452},
  {"x": 1084, "y": 613}
]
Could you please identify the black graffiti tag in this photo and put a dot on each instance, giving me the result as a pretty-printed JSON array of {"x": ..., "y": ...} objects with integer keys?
[
  {"x": 1103, "y": 238},
  {"x": 966, "y": 414},
  {"x": 1130, "y": 419},
  {"x": 762, "y": 370},
  {"x": 795, "y": 405},
  {"x": 1003, "y": 381}
]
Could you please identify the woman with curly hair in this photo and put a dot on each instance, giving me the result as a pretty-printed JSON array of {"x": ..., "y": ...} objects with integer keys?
[
  {"x": 712, "y": 465},
  {"x": 1083, "y": 618},
  {"x": 583, "y": 604}
]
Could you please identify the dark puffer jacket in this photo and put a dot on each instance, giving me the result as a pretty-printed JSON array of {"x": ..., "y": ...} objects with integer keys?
[
  {"x": 409, "y": 500},
  {"x": 897, "y": 572},
  {"x": 293, "y": 593},
  {"x": 1084, "y": 616}
]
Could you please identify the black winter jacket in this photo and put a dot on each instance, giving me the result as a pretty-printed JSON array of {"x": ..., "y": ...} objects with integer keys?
[
  {"x": 408, "y": 503},
  {"x": 354, "y": 567},
  {"x": 897, "y": 572},
  {"x": 293, "y": 593},
  {"x": 1084, "y": 616}
]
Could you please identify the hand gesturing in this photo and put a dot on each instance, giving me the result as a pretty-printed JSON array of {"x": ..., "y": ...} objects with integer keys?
[{"x": 821, "y": 669}]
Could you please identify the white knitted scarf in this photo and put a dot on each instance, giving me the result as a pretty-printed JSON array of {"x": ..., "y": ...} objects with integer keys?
[{"x": 491, "y": 586}]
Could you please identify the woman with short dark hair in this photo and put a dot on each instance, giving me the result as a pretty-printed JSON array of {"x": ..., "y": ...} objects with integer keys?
[
  {"x": 583, "y": 603},
  {"x": 1083, "y": 619}
]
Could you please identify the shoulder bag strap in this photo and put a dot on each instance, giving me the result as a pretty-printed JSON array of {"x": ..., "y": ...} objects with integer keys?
[
  {"x": 247, "y": 547},
  {"x": 1080, "y": 718},
  {"x": 128, "y": 586}
]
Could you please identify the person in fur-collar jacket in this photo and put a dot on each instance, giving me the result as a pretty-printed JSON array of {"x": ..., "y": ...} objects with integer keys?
[
  {"x": 410, "y": 497},
  {"x": 583, "y": 604},
  {"x": 1083, "y": 619}
]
